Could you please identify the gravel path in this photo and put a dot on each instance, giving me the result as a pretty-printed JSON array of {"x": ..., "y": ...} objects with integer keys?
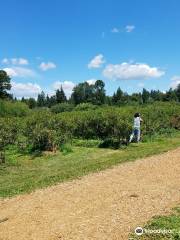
[{"x": 101, "y": 206}]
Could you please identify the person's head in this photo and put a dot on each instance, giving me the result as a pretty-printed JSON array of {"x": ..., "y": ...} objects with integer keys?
[{"x": 137, "y": 115}]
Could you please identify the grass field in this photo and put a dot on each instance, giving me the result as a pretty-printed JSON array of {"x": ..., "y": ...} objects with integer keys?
[
  {"x": 171, "y": 222},
  {"x": 24, "y": 173}
]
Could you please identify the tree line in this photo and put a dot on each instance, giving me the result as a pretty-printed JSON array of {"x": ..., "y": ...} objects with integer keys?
[{"x": 90, "y": 93}]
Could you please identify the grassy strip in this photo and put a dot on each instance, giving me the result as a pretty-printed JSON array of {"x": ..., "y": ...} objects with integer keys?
[
  {"x": 24, "y": 173},
  {"x": 171, "y": 222}
]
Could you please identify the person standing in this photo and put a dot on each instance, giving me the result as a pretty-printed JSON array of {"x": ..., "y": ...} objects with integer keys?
[{"x": 136, "y": 128}]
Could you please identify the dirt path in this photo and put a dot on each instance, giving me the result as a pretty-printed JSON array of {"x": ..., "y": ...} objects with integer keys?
[{"x": 101, "y": 206}]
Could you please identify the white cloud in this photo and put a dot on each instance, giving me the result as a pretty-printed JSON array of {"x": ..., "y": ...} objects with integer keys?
[
  {"x": 175, "y": 82},
  {"x": 5, "y": 61},
  {"x": 19, "y": 61},
  {"x": 23, "y": 61},
  {"x": 46, "y": 66},
  {"x": 11, "y": 72},
  {"x": 91, "y": 81},
  {"x": 25, "y": 89},
  {"x": 115, "y": 30},
  {"x": 129, "y": 28},
  {"x": 97, "y": 61},
  {"x": 126, "y": 71},
  {"x": 20, "y": 72},
  {"x": 15, "y": 61},
  {"x": 66, "y": 85}
]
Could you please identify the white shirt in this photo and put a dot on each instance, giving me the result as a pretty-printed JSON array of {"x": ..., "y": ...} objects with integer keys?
[{"x": 137, "y": 122}]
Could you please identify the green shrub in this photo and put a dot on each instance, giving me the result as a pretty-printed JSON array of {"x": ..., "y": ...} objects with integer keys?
[
  {"x": 16, "y": 109},
  {"x": 66, "y": 149},
  {"x": 85, "y": 107},
  {"x": 2, "y": 157},
  {"x": 62, "y": 107},
  {"x": 22, "y": 143},
  {"x": 9, "y": 130},
  {"x": 175, "y": 122},
  {"x": 45, "y": 132}
]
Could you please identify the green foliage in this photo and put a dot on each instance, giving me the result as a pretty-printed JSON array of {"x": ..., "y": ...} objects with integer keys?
[
  {"x": 2, "y": 157},
  {"x": 10, "y": 108},
  {"x": 46, "y": 101},
  {"x": 82, "y": 93},
  {"x": 44, "y": 132},
  {"x": 100, "y": 93},
  {"x": 60, "y": 96},
  {"x": 9, "y": 130},
  {"x": 120, "y": 98},
  {"x": 22, "y": 143},
  {"x": 31, "y": 102},
  {"x": 25, "y": 172},
  {"x": 66, "y": 149},
  {"x": 62, "y": 107},
  {"x": 177, "y": 92},
  {"x": 175, "y": 122},
  {"x": 145, "y": 96},
  {"x": 41, "y": 100},
  {"x": 170, "y": 222},
  {"x": 4, "y": 84},
  {"x": 85, "y": 107},
  {"x": 89, "y": 93},
  {"x": 158, "y": 116},
  {"x": 39, "y": 132}
]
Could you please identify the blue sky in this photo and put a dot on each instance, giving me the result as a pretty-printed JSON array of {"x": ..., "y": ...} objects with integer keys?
[{"x": 127, "y": 43}]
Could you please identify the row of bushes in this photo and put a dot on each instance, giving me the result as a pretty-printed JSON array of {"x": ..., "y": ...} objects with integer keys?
[
  {"x": 67, "y": 107},
  {"x": 10, "y": 108},
  {"x": 21, "y": 109},
  {"x": 43, "y": 130}
]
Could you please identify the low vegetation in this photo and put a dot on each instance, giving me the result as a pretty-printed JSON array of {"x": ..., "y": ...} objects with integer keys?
[
  {"x": 45, "y": 131},
  {"x": 169, "y": 224},
  {"x": 24, "y": 172},
  {"x": 13, "y": 109}
]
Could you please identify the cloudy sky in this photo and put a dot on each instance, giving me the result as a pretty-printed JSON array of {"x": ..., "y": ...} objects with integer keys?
[{"x": 127, "y": 43}]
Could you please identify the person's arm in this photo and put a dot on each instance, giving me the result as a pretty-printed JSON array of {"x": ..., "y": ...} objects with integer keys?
[{"x": 141, "y": 119}]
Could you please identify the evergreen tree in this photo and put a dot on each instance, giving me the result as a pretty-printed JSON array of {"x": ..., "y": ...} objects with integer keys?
[
  {"x": 31, "y": 102},
  {"x": 155, "y": 95},
  {"x": 52, "y": 101},
  {"x": 23, "y": 99},
  {"x": 177, "y": 92},
  {"x": 41, "y": 100},
  {"x": 48, "y": 101},
  {"x": 170, "y": 95},
  {"x": 60, "y": 96},
  {"x": 118, "y": 97},
  {"x": 145, "y": 96},
  {"x": 100, "y": 95},
  {"x": 136, "y": 97},
  {"x": 5, "y": 84}
]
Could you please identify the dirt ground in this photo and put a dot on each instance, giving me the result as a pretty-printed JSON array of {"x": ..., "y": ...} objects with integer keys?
[{"x": 101, "y": 206}]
